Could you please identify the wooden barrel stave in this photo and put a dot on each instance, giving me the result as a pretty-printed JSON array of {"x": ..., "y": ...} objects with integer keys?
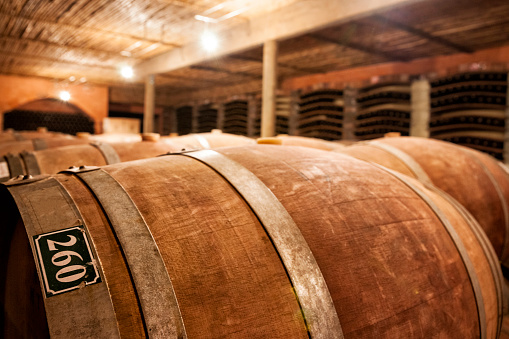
[
  {"x": 210, "y": 140},
  {"x": 470, "y": 177}
]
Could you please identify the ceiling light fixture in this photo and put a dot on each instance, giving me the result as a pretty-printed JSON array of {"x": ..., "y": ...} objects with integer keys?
[
  {"x": 64, "y": 95},
  {"x": 209, "y": 41},
  {"x": 127, "y": 72},
  {"x": 205, "y": 19}
]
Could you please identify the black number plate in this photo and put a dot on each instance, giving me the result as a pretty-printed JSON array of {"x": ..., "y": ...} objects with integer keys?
[{"x": 65, "y": 260}]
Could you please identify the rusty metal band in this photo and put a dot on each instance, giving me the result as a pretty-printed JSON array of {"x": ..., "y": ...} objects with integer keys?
[
  {"x": 108, "y": 152},
  {"x": 39, "y": 144},
  {"x": 202, "y": 140},
  {"x": 31, "y": 164},
  {"x": 410, "y": 162},
  {"x": 306, "y": 277},
  {"x": 45, "y": 206},
  {"x": 486, "y": 246},
  {"x": 152, "y": 283},
  {"x": 474, "y": 281},
  {"x": 15, "y": 165}
]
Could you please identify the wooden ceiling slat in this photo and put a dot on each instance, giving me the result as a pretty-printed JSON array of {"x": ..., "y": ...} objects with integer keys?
[
  {"x": 213, "y": 69},
  {"x": 83, "y": 30},
  {"x": 71, "y": 35}
]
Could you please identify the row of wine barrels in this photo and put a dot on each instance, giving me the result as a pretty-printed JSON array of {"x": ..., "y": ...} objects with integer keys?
[
  {"x": 474, "y": 179},
  {"x": 52, "y": 160},
  {"x": 37, "y": 144},
  {"x": 243, "y": 242},
  {"x": 40, "y": 133}
]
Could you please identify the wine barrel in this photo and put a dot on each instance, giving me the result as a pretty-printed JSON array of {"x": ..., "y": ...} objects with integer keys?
[
  {"x": 52, "y": 160},
  {"x": 243, "y": 242},
  {"x": 288, "y": 140},
  {"x": 11, "y": 135},
  {"x": 213, "y": 139},
  {"x": 37, "y": 144},
  {"x": 111, "y": 137},
  {"x": 471, "y": 177}
]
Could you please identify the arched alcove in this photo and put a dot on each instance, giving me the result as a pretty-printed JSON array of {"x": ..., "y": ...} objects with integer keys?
[{"x": 54, "y": 114}]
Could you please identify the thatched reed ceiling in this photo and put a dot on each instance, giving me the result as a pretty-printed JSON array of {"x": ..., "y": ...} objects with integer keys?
[{"x": 90, "y": 40}]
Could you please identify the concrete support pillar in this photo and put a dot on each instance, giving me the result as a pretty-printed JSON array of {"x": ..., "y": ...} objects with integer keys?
[
  {"x": 149, "y": 104},
  {"x": 220, "y": 116},
  {"x": 421, "y": 108},
  {"x": 293, "y": 117},
  {"x": 349, "y": 113},
  {"x": 195, "y": 118},
  {"x": 268, "y": 126},
  {"x": 252, "y": 107}
]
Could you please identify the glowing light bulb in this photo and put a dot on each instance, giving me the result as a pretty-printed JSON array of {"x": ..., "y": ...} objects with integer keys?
[
  {"x": 127, "y": 72},
  {"x": 64, "y": 95},
  {"x": 209, "y": 41}
]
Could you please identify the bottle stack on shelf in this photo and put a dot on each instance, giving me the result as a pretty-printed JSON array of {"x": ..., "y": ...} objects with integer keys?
[
  {"x": 257, "y": 119},
  {"x": 69, "y": 123},
  {"x": 321, "y": 114},
  {"x": 235, "y": 117},
  {"x": 469, "y": 108},
  {"x": 383, "y": 108},
  {"x": 184, "y": 120},
  {"x": 207, "y": 118},
  {"x": 283, "y": 105}
]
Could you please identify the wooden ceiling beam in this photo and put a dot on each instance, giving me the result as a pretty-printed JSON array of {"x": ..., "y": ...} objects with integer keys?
[
  {"x": 218, "y": 70},
  {"x": 422, "y": 34},
  {"x": 279, "y": 64},
  {"x": 359, "y": 47},
  {"x": 176, "y": 77},
  {"x": 297, "y": 18}
]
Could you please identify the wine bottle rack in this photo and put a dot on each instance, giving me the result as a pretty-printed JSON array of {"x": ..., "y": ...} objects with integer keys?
[
  {"x": 184, "y": 120},
  {"x": 69, "y": 123},
  {"x": 235, "y": 117},
  {"x": 469, "y": 109},
  {"x": 383, "y": 108},
  {"x": 207, "y": 118},
  {"x": 321, "y": 114}
]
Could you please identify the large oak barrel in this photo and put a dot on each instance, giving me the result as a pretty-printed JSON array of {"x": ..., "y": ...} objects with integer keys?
[
  {"x": 111, "y": 137},
  {"x": 291, "y": 140},
  {"x": 250, "y": 242},
  {"x": 473, "y": 178},
  {"x": 213, "y": 139}
]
